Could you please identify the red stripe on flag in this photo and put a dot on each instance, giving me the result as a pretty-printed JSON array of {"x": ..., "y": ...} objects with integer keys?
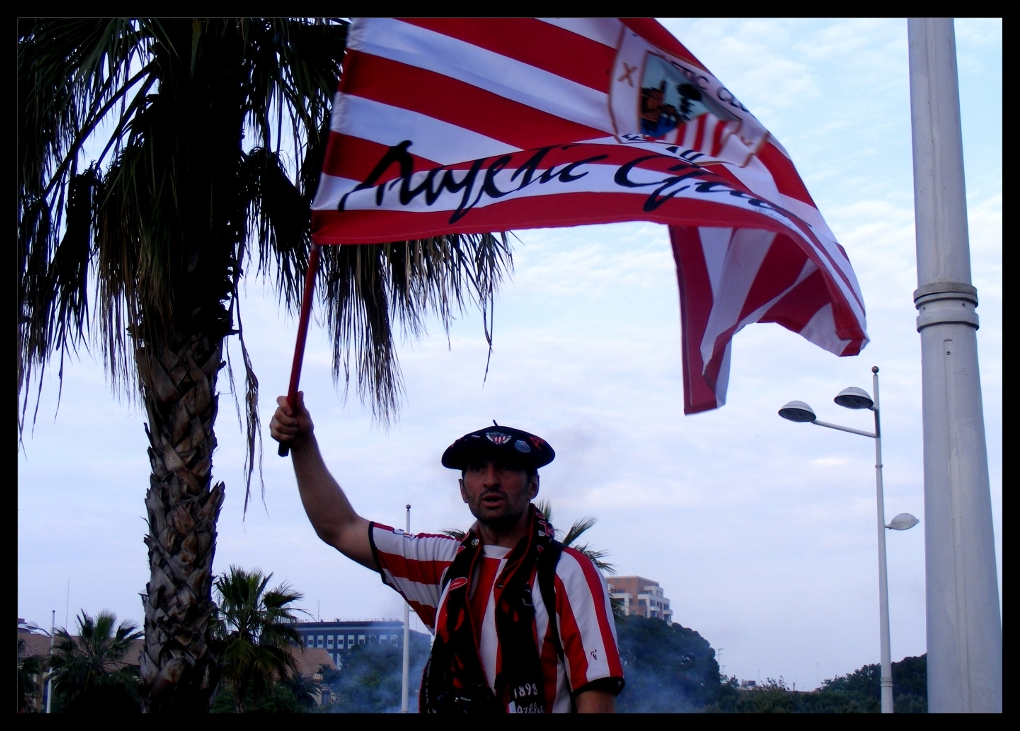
[
  {"x": 533, "y": 42},
  {"x": 564, "y": 209},
  {"x": 800, "y": 304},
  {"x": 717, "y": 137},
  {"x": 355, "y": 158},
  {"x": 780, "y": 268},
  {"x": 461, "y": 104},
  {"x": 695, "y": 308},
  {"x": 787, "y": 180},
  {"x": 573, "y": 209},
  {"x": 699, "y": 135}
]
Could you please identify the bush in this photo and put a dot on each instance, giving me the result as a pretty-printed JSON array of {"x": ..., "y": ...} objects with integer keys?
[
  {"x": 667, "y": 668},
  {"x": 279, "y": 699}
]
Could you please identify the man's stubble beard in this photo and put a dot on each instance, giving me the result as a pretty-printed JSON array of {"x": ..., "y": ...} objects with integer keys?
[{"x": 504, "y": 522}]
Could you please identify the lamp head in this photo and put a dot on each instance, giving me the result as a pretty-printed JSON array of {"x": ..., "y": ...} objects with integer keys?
[
  {"x": 903, "y": 521},
  {"x": 854, "y": 398},
  {"x": 797, "y": 411}
]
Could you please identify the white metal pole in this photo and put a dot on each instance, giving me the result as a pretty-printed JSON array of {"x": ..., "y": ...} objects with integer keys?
[
  {"x": 49, "y": 673},
  {"x": 405, "y": 677},
  {"x": 963, "y": 620},
  {"x": 883, "y": 576}
]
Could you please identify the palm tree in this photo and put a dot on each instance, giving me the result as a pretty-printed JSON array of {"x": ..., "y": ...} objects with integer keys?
[
  {"x": 255, "y": 632},
  {"x": 597, "y": 556},
  {"x": 577, "y": 529},
  {"x": 305, "y": 690},
  {"x": 152, "y": 174},
  {"x": 94, "y": 662},
  {"x": 30, "y": 668}
]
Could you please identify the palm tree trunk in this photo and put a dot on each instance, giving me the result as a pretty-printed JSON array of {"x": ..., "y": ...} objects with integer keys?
[{"x": 178, "y": 667}]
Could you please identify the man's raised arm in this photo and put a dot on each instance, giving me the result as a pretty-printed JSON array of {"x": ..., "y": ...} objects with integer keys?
[{"x": 327, "y": 507}]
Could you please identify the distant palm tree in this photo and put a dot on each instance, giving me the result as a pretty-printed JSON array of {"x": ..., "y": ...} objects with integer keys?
[
  {"x": 96, "y": 661},
  {"x": 152, "y": 176},
  {"x": 30, "y": 668},
  {"x": 578, "y": 528},
  {"x": 305, "y": 690},
  {"x": 255, "y": 632}
]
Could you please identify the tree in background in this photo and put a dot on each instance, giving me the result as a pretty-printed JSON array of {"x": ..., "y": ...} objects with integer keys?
[
  {"x": 304, "y": 689},
  {"x": 668, "y": 668},
  {"x": 856, "y": 692},
  {"x": 862, "y": 688},
  {"x": 254, "y": 633},
  {"x": 91, "y": 673},
  {"x": 30, "y": 668},
  {"x": 151, "y": 176},
  {"x": 577, "y": 529}
]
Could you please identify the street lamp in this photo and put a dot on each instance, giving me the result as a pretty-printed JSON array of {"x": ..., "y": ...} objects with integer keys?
[
  {"x": 858, "y": 398},
  {"x": 406, "y": 662}
]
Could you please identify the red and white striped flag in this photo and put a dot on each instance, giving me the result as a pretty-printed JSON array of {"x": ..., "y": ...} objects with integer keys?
[{"x": 475, "y": 125}]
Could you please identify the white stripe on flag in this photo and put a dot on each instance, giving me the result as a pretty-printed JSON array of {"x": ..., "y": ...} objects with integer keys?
[
  {"x": 714, "y": 244},
  {"x": 503, "y": 76},
  {"x": 331, "y": 189},
  {"x": 744, "y": 254},
  {"x": 821, "y": 330},
  {"x": 434, "y": 139}
]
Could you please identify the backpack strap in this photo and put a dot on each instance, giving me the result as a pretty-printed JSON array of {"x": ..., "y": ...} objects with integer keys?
[{"x": 547, "y": 585}]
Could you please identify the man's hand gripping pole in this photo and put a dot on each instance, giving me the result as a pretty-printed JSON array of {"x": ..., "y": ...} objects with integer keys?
[{"x": 299, "y": 347}]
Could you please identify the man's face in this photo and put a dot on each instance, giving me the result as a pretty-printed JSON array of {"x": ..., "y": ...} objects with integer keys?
[{"x": 497, "y": 494}]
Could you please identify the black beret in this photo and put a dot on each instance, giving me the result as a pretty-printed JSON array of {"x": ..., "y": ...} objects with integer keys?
[{"x": 501, "y": 444}]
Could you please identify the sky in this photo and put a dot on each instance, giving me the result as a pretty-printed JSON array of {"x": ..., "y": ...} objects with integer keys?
[{"x": 761, "y": 532}]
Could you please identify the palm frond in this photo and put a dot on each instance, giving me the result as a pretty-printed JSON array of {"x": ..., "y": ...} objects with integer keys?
[
  {"x": 578, "y": 528},
  {"x": 597, "y": 557},
  {"x": 72, "y": 75},
  {"x": 163, "y": 223}
]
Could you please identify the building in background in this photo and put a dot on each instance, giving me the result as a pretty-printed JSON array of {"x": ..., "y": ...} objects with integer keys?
[
  {"x": 339, "y": 635},
  {"x": 34, "y": 642},
  {"x": 640, "y": 596},
  {"x": 309, "y": 661}
]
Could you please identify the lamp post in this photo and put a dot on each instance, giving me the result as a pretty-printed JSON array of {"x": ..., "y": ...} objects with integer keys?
[
  {"x": 49, "y": 674},
  {"x": 405, "y": 671},
  {"x": 858, "y": 398}
]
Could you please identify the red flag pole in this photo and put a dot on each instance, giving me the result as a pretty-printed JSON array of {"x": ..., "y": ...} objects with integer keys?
[{"x": 299, "y": 347}]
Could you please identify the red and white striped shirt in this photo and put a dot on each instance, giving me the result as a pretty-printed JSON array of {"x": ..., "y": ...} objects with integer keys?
[{"x": 414, "y": 565}]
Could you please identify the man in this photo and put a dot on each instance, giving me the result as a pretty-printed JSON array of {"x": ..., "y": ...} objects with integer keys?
[{"x": 489, "y": 597}]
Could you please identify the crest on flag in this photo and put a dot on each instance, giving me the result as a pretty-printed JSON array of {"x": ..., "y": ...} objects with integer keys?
[{"x": 657, "y": 96}]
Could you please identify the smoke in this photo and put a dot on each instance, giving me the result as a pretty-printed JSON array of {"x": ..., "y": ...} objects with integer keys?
[
  {"x": 667, "y": 668},
  {"x": 369, "y": 679}
]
